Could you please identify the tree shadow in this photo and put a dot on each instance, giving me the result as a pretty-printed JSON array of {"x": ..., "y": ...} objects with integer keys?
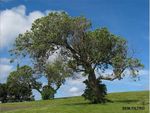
[
  {"x": 88, "y": 103},
  {"x": 70, "y": 104},
  {"x": 126, "y": 101},
  {"x": 61, "y": 98},
  {"x": 110, "y": 101}
]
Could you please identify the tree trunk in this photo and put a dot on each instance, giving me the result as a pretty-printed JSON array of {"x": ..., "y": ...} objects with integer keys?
[
  {"x": 95, "y": 87},
  {"x": 92, "y": 79},
  {"x": 95, "y": 91}
]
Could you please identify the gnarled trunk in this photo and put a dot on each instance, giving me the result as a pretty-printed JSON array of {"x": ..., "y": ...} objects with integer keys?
[{"x": 95, "y": 91}]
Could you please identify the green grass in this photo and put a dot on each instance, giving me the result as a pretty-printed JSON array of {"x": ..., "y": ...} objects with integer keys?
[{"x": 79, "y": 105}]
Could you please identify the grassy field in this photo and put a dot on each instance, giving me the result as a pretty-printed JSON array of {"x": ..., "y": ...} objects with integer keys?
[{"x": 79, "y": 105}]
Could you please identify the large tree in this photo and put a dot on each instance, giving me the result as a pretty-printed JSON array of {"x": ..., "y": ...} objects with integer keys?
[{"x": 84, "y": 50}]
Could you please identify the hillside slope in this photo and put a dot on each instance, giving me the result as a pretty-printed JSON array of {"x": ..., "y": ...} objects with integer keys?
[{"x": 122, "y": 102}]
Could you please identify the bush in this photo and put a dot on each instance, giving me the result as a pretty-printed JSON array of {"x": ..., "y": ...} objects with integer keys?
[
  {"x": 95, "y": 94},
  {"x": 48, "y": 92}
]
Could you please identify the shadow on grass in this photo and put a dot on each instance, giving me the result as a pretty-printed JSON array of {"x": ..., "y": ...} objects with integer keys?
[
  {"x": 110, "y": 101},
  {"x": 126, "y": 101},
  {"x": 89, "y": 103},
  {"x": 70, "y": 104}
]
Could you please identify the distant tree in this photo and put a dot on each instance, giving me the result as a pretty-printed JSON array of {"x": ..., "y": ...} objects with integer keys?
[
  {"x": 20, "y": 84},
  {"x": 84, "y": 50},
  {"x": 55, "y": 72},
  {"x": 3, "y": 92}
]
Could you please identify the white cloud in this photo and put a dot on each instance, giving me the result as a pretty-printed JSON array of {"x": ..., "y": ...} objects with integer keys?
[
  {"x": 5, "y": 69},
  {"x": 143, "y": 72},
  {"x": 75, "y": 91},
  {"x": 4, "y": 72},
  {"x": 76, "y": 81},
  {"x": 12, "y": 23},
  {"x": 34, "y": 15},
  {"x": 15, "y": 21},
  {"x": 72, "y": 87},
  {"x": 4, "y": 61}
]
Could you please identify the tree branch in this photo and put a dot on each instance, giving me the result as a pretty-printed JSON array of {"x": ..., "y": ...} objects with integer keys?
[
  {"x": 80, "y": 70},
  {"x": 113, "y": 76},
  {"x": 109, "y": 78}
]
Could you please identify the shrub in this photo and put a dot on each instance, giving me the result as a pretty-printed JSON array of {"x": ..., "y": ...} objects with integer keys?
[{"x": 95, "y": 94}]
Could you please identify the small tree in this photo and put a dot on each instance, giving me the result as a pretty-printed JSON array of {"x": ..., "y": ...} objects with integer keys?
[
  {"x": 20, "y": 84},
  {"x": 87, "y": 51},
  {"x": 48, "y": 92},
  {"x": 55, "y": 72}
]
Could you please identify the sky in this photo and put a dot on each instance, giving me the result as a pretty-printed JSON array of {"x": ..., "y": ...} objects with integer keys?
[{"x": 125, "y": 18}]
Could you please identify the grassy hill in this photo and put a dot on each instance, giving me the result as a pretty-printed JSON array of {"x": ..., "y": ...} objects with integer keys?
[{"x": 125, "y": 100}]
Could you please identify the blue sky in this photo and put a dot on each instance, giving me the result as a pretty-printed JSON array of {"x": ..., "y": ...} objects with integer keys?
[{"x": 126, "y": 18}]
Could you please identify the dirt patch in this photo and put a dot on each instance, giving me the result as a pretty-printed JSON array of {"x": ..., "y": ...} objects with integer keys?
[{"x": 13, "y": 107}]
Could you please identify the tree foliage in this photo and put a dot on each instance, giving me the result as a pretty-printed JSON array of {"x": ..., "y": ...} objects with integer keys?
[
  {"x": 3, "y": 92},
  {"x": 20, "y": 84},
  {"x": 56, "y": 72},
  {"x": 48, "y": 92},
  {"x": 84, "y": 50}
]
